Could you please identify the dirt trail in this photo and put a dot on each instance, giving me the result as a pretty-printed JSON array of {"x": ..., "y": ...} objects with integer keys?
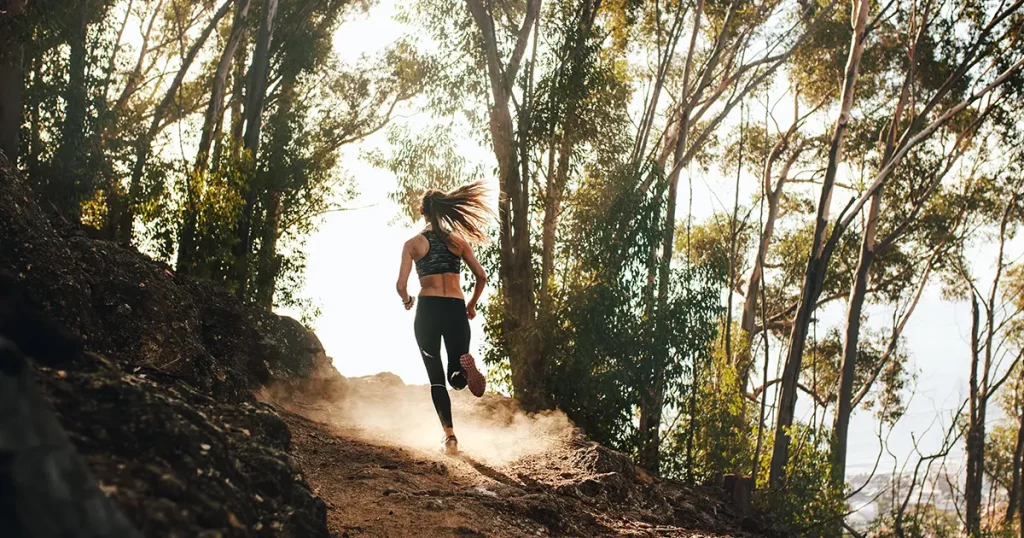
[{"x": 378, "y": 481}]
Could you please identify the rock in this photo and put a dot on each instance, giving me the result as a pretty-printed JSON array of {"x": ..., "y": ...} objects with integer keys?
[
  {"x": 48, "y": 489},
  {"x": 155, "y": 392}
]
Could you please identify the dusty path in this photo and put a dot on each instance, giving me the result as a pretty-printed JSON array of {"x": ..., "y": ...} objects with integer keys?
[
  {"x": 382, "y": 491},
  {"x": 375, "y": 485}
]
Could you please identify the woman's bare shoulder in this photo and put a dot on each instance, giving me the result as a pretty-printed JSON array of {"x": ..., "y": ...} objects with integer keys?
[
  {"x": 416, "y": 243},
  {"x": 459, "y": 244}
]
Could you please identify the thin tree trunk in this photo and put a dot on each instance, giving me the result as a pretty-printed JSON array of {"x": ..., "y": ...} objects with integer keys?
[
  {"x": 750, "y": 299},
  {"x": 1014, "y": 495},
  {"x": 816, "y": 266},
  {"x": 557, "y": 182},
  {"x": 67, "y": 191},
  {"x": 653, "y": 400},
  {"x": 144, "y": 144},
  {"x": 979, "y": 384},
  {"x": 847, "y": 374},
  {"x": 35, "y": 143},
  {"x": 733, "y": 233},
  {"x": 237, "y": 98},
  {"x": 11, "y": 78},
  {"x": 975, "y": 431},
  {"x": 255, "y": 98},
  {"x": 214, "y": 115}
]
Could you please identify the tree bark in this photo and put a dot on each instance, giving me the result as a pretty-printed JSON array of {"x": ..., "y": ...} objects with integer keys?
[
  {"x": 66, "y": 189},
  {"x": 11, "y": 77},
  {"x": 1014, "y": 495},
  {"x": 144, "y": 144},
  {"x": 516, "y": 264},
  {"x": 847, "y": 374},
  {"x": 975, "y": 438},
  {"x": 268, "y": 265},
  {"x": 980, "y": 382},
  {"x": 214, "y": 115},
  {"x": 772, "y": 197},
  {"x": 817, "y": 259},
  {"x": 653, "y": 400},
  {"x": 256, "y": 95},
  {"x": 552, "y": 207}
]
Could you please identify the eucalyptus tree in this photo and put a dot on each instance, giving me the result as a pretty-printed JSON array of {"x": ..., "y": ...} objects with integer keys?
[
  {"x": 971, "y": 68},
  {"x": 732, "y": 50},
  {"x": 125, "y": 228}
]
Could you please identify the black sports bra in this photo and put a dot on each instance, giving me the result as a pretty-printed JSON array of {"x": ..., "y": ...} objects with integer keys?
[{"x": 439, "y": 259}]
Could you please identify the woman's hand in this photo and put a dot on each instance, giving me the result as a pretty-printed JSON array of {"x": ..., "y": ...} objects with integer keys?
[
  {"x": 408, "y": 304},
  {"x": 471, "y": 309}
]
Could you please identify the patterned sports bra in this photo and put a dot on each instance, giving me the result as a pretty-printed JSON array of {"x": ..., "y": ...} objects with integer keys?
[{"x": 438, "y": 260}]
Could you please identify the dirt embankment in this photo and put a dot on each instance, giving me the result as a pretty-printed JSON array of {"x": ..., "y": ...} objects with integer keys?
[{"x": 193, "y": 415}]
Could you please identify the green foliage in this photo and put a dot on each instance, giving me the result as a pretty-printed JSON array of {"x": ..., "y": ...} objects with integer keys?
[
  {"x": 606, "y": 341},
  {"x": 808, "y": 502},
  {"x": 717, "y": 418}
]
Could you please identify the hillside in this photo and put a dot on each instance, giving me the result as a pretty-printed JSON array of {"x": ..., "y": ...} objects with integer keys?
[{"x": 161, "y": 403}]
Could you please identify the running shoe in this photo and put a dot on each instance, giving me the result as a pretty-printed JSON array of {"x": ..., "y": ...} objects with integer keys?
[
  {"x": 475, "y": 380},
  {"x": 451, "y": 445}
]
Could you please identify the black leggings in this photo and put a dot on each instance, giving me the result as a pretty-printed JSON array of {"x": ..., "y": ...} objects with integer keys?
[{"x": 438, "y": 317}]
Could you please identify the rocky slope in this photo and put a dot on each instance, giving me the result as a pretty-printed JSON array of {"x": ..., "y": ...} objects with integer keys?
[{"x": 161, "y": 404}]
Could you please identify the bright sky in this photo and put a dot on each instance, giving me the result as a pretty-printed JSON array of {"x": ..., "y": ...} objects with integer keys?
[{"x": 353, "y": 264}]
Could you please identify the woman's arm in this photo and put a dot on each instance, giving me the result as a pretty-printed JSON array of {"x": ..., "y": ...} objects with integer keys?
[
  {"x": 403, "y": 276},
  {"x": 481, "y": 279}
]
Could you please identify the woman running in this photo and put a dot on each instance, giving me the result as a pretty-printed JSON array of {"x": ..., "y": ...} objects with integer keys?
[{"x": 454, "y": 221}]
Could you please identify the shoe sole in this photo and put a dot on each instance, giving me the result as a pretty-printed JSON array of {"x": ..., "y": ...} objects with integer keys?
[{"x": 474, "y": 379}]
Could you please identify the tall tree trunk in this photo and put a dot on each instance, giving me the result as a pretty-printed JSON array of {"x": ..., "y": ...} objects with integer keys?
[
  {"x": 66, "y": 189},
  {"x": 979, "y": 383},
  {"x": 558, "y": 179},
  {"x": 145, "y": 142},
  {"x": 1015, "y": 495},
  {"x": 772, "y": 197},
  {"x": 516, "y": 264},
  {"x": 214, "y": 116},
  {"x": 975, "y": 431},
  {"x": 653, "y": 400},
  {"x": 11, "y": 76},
  {"x": 268, "y": 264},
  {"x": 255, "y": 97},
  {"x": 552, "y": 208},
  {"x": 237, "y": 98},
  {"x": 817, "y": 258},
  {"x": 858, "y": 293},
  {"x": 35, "y": 141},
  {"x": 847, "y": 374}
]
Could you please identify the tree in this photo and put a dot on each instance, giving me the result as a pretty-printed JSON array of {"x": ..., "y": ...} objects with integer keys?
[
  {"x": 11, "y": 75},
  {"x": 710, "y": 90},
  {"x": 211, "y": 127},
  {"x": 516, "y": 273},
  {"x": 963, "y": 87},
  {"x": 125, "y": 229}
]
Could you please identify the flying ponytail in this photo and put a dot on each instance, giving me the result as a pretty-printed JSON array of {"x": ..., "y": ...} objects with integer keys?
[{"x": 463, "y": 211}]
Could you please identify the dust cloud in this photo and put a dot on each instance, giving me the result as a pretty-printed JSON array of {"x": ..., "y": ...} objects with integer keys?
[{"x": 492, "y": 430}]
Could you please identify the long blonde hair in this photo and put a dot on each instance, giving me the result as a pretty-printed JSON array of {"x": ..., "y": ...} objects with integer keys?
[{"x": 463, "y": 211}]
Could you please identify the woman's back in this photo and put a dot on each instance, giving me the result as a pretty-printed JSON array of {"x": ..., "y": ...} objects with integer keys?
[{"x": 438, "y": 264}]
